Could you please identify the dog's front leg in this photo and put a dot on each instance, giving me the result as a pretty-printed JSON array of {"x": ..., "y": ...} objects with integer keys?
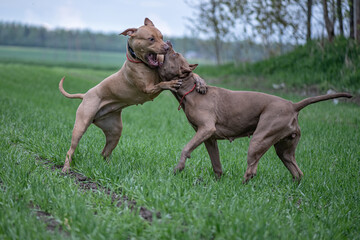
[
  {"x": 201, "y": 135},
  {"x": 201, "y": 86},
  {"x": 172, "y": 85},
  {"x": 213, "y": 150}
]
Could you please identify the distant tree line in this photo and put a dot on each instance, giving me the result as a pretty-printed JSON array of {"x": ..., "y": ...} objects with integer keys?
[{"x": 17, "y": 34}]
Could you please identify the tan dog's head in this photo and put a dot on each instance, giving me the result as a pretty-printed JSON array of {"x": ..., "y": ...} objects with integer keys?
[
  {"x": 175, "y": 65},
  {"x": 147, "y": 42}
]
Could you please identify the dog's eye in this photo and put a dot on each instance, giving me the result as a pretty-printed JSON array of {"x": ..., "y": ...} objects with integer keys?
[{"x": 151, "y": 39}]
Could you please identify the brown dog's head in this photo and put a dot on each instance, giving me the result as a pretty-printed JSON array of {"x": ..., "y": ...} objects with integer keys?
[
  {"x": 175, "y": 65},
  {"x": 146, "y": 42}
]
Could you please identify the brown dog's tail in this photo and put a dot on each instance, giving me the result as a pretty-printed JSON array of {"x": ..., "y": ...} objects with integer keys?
[
  {"x": 68, "y": 95},
  {"x": 300, "y": 105}
]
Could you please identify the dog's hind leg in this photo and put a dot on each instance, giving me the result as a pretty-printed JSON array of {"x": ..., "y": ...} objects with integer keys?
[
  {"x": 275, "y": 123},
  {"x": 112, "y": 126},
  {"x": 267, "y": 133},
  {"x": 285, "y": 149},
  {"x": 202, "y": 134},
  {"x": 257, "y": 148},
  {"x": 213, "y": 150},
  {"x": 84, "y": 118}
]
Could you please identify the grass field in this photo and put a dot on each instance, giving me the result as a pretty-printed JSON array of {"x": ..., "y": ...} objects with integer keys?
[
  {"x": 35, "y": 127},
  {"x": 102, "y": 60},
  {"x": 61, "y": 57}
]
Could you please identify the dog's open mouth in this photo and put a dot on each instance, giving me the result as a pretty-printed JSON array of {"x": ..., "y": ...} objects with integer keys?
[{"x": 154, "y": 60}]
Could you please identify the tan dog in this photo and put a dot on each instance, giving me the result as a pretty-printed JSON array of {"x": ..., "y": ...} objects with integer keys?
[
  {"x": 135, "y": 83},
  {"x": 225, "y": 114}
]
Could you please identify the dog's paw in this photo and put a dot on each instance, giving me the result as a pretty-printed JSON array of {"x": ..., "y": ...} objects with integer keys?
[
  {"x": 200, "y": 88},
  {"x": 178, "y": 169},
  {"x": 174, "y": 85},
  {"x": 245, "y": 181},
  {"x": 177, "y": 83},
  {"x": 247, "y": 177},
  {"x": 65, "y": 169},
  {"x": 218, "y": 175}
]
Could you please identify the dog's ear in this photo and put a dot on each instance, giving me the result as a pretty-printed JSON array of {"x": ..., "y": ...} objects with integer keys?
[
  {"x": 184, "y": 71},
  {"x": 148, "y": 22},
  {"x": 168, "y": 42},
  {"x": 189, "y": 69},
  {"x": 193, "y": 66},
  {"x": 129, "y": 32}
]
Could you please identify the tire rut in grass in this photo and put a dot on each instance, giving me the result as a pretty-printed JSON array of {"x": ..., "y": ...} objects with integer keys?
[
  {"x": 52, "y": 224},
  {"x": 88, "y": 184},
  {"x": 2, "y": 186}
]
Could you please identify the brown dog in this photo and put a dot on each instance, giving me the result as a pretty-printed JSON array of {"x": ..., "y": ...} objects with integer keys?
[
  {"x": 225, "y": 114},
  {"x": 135, "y": 83}
]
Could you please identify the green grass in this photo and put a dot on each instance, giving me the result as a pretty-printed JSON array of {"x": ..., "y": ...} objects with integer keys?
[
  {"x": 36, "y": 122},
  {"x": 61, "y": 57},
  {"x": 100, "y": 60}
]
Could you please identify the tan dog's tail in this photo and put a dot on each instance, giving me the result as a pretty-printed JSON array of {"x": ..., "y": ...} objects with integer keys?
[
  {"x": 307, "y": 101},
  {"x": 68, "y": 95}
]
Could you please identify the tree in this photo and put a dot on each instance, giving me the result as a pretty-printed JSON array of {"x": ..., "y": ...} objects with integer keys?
[
  {"x": 351, "y": 19},
  {"x": 212, "y": 18},
  {"x": 307, "y": 9},
  {"x": 357, "y": 20},
  {"x": 276, "y": 20},
  {"x": 329, "y": 24},
  {"x": 340, "y": 16},
  {"x": 308, "y": 22}
]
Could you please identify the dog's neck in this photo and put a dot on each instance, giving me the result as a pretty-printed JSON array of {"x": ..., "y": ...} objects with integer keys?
[
  {"x": 187, "y": 84},
  {"x": 130, "y": 51}
]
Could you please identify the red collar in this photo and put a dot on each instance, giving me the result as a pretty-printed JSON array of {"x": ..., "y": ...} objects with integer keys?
[
  {"x": 133, "y": 61},
  {"x": 182, "y": 99}
]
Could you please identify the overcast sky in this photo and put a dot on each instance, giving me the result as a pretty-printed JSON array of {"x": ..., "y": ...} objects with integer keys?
[{"x": 104, "y": 16}]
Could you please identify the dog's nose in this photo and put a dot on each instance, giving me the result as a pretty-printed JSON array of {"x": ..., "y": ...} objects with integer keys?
[{"x": 166, "y": 47}]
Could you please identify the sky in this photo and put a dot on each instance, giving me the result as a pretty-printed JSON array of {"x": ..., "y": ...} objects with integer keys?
[{"x": 107, "y": 16}]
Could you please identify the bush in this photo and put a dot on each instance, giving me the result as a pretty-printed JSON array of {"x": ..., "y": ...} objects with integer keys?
[{"x": 317, "y": 64}]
